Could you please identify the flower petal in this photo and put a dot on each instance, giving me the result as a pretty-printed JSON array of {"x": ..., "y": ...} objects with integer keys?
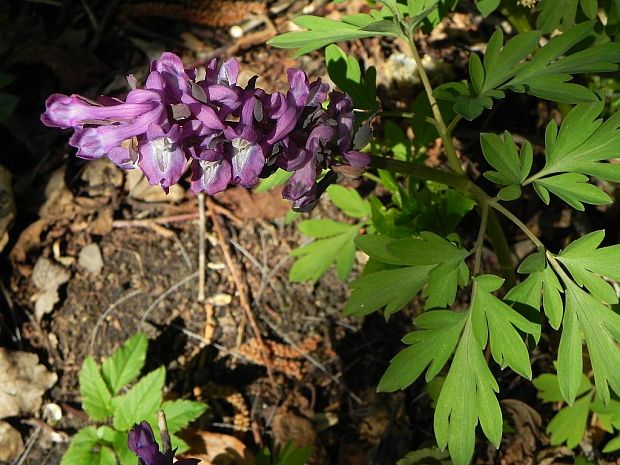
[
  {"x": 161, "y": 157},
  {"x": 141, "y": 442},
  {"x": 210, "y": 177},
  {"x": 247, "y": 162}
]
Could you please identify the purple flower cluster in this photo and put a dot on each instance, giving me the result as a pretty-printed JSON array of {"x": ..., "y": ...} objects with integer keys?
[
  {"x": 227, "y": 134},
  {"x": 141, "y": 442}
]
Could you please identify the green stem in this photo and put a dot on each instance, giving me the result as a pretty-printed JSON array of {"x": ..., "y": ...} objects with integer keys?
[
  {"x": 407, "y": 115},
  {"x": 520, "y": 224},
  {"x": 453, "y": 124},
  {"x": 502, "y": 249},
  {"x": 457, "y": 181},
  {"x": 453, "y": 159},
  {"x": 471, "y": 190},
  {"x": 484, "y": 216}
]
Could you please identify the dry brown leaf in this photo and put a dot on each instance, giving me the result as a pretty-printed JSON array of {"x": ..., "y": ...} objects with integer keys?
[
  {"x": 11, "y": 442},
  {"x": 248, "y": 205},
  {"x": 29, "y": 239},
  {"x": 139, "y": 188},
  {"x": 22, "y": 383},
  {"x": 59, "y": 201},
  {"x": 217, "y": 448},
  {"x": 47, "y": 276}
]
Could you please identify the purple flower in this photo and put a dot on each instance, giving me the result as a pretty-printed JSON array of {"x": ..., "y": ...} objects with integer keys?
[
  {"x": 141, "y": 442},
  {"x": 161, "y": 157},
  {"x": 226, "y": 134},
  {"x": 94, "y": 139}
]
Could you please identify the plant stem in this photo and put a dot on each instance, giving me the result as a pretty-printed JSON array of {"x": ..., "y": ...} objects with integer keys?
[
  {"x": 408, "y": 115},
  {"x": 457, "y": 181},
  {"x": 201, "y": 247},
  {"x": 502, "y": 249},
  {"x": 484, "y": 216},
  {"x": 471, "y": 190},
  {"x": 522, "y": 226},
  {"x": 453, "y": 159}
]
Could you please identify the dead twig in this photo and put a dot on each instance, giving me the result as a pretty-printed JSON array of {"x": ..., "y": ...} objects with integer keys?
[
  {"x": 154, "y": 226},
  {"x": 202, "y": 247},
  {"x": 241, "y": 288},
  {"x": 104, "y": 315},
  {"x": 163, "y": 432},
  {"x": 165, "y": 294}
]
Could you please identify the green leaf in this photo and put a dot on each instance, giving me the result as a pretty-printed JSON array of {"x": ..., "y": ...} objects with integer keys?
[
  {"x": 493, "y": 320},
  {"x": 601, "y": 329},
  {"x": 349, "y": 201},
  {"x": 293, "y": 455},
  {"x": 510, "y": 167},
  {"x": 180, "y": 413},
  {"x": 179, "y": 444},
  {"x": 608, "y": 415},
  {"x": 476, "y": 73},
  {"x": 427, "y": 249},
  {"x": 86, "y": 449},
  {"x": 574, "y": 189},
  {"x": 125, "y": 456},
  {"x": 316, "y": 258},
  {"x": 549, "y": 388},
  {"x": 556, "y": 14},
  {"x": 96, "y": 397},
  {"x": 345, "y": 72},
  {"x": 392, "y": 289},
  {"x": 504, "y": 65},
  {"x": 323, "y": 31},
  {"x": 467, "y": 397},
  {"x": 140, "y": 402},
  {"x": 428, "y": 259},
  {"x": 322, "y": 228},
  {"x": 82, "y": 448},
  {"x": 546, "y": 75},
  {"x": 586, "y": 263},
  {"x": 125, "y": 364},
  {"x": 528, "y": 292},
  {"x": 472, "y": 107},
  {"x": 569, "y": 425},
  {"x": 430, "y": 347},
  {"x": 276, "y": 179},
  {"x": 486, "y": 7},
  {"x": 580, "y": 148},
  {"x": 612, "y": 445}
]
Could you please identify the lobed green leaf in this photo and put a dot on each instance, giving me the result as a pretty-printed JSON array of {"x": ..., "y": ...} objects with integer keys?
[
  {"x": 96, "y": 398},
  {"x": 126, "y": 362}
]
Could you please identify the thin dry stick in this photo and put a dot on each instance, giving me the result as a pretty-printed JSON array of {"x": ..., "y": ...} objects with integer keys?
[
  {"x": 243, "y": 293},
  {"x": 163, "y": 432},
  {"x": 165, "y": 294},
  {"x": 105, "y": 314},
  {"x": 202, "y": 226}
]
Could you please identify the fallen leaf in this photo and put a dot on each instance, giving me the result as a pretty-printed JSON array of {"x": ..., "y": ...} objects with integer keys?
[
  {"x": 139, "y": 188},
  {"x": 22, "y": 383},
  {"x": 11, "y": 442},
  {"x": 59, "y": 201},
  {"x": 47, "y": 276},
  {"x": 90, "y": 258},
  {"x": 29, "y": 239},
  {"x": 217, "y": 448},
  {"x": 247, "y": 205}
]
